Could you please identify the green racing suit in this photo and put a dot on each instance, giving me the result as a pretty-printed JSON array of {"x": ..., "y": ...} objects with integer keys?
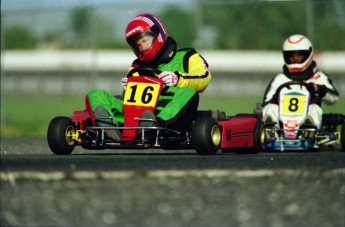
[{"x": 177, "y": 105}]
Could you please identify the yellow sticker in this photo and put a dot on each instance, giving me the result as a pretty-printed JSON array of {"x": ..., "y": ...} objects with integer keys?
[
  {"x": 293, "y": 104},
  {"x": 141, "y": 94}
]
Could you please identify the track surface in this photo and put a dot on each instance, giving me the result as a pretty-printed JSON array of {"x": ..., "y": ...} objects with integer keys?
[{"x": 168, "y": 188}]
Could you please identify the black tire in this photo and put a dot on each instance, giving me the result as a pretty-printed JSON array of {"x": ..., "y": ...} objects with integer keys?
[
  {"x": 61, "y": 135},
  {"x": 259, "y": 137},
  {"x": 342, "y": 137},
  {"x": 206, "y": 136}
]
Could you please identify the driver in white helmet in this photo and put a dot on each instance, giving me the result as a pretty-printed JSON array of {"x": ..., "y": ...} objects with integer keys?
[{"x": 299, "y": 66}]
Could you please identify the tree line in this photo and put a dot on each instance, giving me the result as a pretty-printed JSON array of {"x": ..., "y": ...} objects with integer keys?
[{"x": 242, "y": 25}]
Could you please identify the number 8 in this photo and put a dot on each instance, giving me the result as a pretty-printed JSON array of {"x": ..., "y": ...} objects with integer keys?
[{"x": 293, "y": 105}]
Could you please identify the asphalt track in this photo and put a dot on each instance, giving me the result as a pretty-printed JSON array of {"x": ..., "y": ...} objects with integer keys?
[{"x": 168, "y": 188}]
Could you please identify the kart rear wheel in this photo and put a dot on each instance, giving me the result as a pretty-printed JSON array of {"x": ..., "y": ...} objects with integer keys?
[
  {"x": 342, "y": 137},
  {"x": 61, "y": 135},
  {"x": 206, "y": 136}
]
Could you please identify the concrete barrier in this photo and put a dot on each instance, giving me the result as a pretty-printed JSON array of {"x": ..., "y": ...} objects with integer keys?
[
  {"x": 76, "y": 72},
  {"x": 224, "y": 61}
]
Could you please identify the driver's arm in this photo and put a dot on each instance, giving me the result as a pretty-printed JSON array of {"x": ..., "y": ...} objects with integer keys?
[
  {"x": 198, "y": 75},
  {"x": 326, "y": 89},
  {"x": 270, "y": 93}
]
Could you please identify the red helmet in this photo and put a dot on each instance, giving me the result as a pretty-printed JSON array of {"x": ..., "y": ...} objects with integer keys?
[{"x": 146, "y": 25}]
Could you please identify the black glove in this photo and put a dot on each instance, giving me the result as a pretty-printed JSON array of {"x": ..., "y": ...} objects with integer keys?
[{"x": 321, "y": 90}]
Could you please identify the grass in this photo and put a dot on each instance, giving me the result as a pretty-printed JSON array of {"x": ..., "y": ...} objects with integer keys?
[{"x": 31, "y": 115}]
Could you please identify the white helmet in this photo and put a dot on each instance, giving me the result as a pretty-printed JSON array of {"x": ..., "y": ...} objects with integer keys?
[{"x": 298, "y": 43}]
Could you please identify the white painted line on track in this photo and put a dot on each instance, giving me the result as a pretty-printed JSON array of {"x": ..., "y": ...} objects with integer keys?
[
  {"x": 209, "y": 173},
  {"x": 14, "y": 176}
]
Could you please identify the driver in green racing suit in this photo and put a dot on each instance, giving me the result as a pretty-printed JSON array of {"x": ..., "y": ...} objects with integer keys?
[{"x": 185, "y": 73}]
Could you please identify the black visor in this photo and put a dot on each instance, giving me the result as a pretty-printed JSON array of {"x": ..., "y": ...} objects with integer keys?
[{"x": 288, "y": 54}]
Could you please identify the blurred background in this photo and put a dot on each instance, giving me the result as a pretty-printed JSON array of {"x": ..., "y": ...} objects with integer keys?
[{"x": 54, "y": 52}]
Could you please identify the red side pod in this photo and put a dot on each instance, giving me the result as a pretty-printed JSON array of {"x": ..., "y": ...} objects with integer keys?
[
  {"x": 82, "y": 117},
  {"x": 238, "y": 132}
]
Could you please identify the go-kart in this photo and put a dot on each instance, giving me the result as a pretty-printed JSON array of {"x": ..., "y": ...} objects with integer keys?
[
  {"x": 207, "y": 133},
  {"x": 294, "y": 133}
]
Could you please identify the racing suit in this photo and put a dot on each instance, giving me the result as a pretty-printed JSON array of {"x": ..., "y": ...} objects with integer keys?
[
  {"x": 324, "y": 92},
  {"x": 177, "y": 105}
]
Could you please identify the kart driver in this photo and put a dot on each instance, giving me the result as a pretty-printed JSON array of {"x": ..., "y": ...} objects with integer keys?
[
  {"x": 300, "y": 66},
  {"x": 185, "y": 73}
]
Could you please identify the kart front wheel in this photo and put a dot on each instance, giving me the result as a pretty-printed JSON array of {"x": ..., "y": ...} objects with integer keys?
[
  {"x": 259, "y": 137},
  {"x": 206, "y": 136},
  {"x": 61, "y": 135}
]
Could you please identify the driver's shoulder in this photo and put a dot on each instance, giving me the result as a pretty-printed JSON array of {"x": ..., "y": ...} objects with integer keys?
[
  {"x": 319, "y": 76},
  {"x": 281, "y": 78}
]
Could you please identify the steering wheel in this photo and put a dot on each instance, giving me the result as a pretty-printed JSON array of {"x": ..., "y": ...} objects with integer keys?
[
  {"x": 144, "y": 71},
  {"x": 288, "y": 84}
]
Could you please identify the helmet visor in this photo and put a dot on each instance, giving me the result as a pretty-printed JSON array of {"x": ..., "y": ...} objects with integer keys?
[
  {"x": 142, "y": 42},
  {"x": 296, "y": 57}
]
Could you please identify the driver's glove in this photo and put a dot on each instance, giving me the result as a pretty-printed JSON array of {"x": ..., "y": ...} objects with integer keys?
[
  {"x": 124, "y": 82},
  {"x": 169, "y": 78},
  {"x": 321, "y": 90},
  {"x": 318, "y": 90}
]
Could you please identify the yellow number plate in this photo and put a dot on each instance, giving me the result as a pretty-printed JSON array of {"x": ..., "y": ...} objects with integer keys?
[
  {"x": 293, "y": 104},
  {"x": 141, "y": 94}
]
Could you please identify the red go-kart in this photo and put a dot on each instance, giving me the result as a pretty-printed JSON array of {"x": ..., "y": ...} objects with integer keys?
[{"x": 208, "y": 133}]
